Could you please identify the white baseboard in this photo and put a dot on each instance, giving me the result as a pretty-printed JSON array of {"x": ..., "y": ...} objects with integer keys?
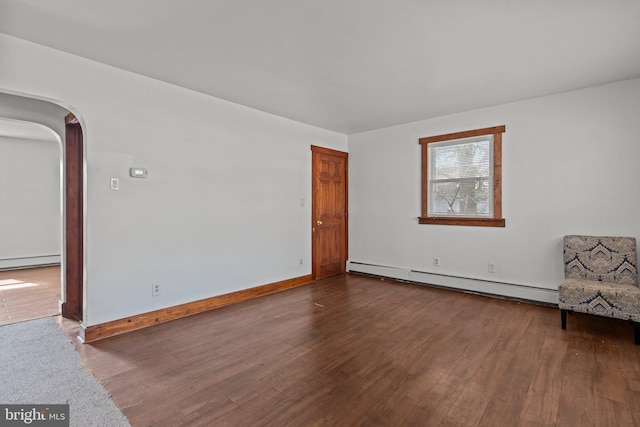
[
  {"x": 509, "y": 290},
  {"x": 26, "y": 262}
]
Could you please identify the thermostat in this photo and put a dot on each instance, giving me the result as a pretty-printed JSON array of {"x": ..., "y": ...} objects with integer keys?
[{"x": 138, "y": 172}]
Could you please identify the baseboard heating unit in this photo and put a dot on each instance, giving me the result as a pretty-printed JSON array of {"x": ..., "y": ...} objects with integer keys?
[{"x": 481, "y": 286}]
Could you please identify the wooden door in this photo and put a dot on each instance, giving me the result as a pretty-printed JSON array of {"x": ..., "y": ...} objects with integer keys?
[
  {"x": 74, "y": 258},
  {"x": 329, "y": 212}
]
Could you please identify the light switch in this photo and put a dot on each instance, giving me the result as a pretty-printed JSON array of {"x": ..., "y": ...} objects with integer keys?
[{"x": 115, "y": 184}]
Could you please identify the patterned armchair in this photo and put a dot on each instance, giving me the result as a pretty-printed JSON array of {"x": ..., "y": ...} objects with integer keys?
[{"x": 601, "y": 277}]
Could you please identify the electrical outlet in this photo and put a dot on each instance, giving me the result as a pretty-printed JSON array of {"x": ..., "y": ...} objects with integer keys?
[
  {"x": 436, "y": 261},
  {"x": 491, "y": 267},
  {"x": 300, "y": 261},
  {"x": 155, "y": 290}
]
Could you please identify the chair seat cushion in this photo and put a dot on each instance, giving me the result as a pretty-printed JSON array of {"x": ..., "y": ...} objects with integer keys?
[{"x": 608, "y": 299}]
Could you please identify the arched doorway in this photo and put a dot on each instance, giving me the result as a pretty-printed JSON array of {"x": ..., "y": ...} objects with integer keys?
[
  {"x": 32, "y": 109},
  {"x": 30, "y": 220}
]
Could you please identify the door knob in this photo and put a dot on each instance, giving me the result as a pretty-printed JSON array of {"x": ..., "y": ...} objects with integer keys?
[{"x": 318, "y": 222}]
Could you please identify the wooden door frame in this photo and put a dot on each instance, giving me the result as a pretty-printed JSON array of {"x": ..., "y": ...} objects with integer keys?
[
  {"x": 329, "y": 151},
  {"x": 73, "y": 195}
]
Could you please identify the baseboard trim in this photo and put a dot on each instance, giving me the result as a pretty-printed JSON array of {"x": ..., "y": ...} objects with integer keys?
[
  {"x": 116, "y": 327},
  {"x": 29, "y": 262}
]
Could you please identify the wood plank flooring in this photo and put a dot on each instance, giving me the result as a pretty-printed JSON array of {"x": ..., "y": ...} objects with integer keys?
[
  {"x": 27, "y": 294},
  {"x": 355, "y": 350}
]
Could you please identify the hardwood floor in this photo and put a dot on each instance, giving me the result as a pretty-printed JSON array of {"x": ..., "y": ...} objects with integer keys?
[
  {"x": 354, "y": 350},
  {"x": 29, "y": 294}
]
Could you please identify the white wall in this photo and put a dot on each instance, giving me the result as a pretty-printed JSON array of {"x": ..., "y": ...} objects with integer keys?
[
  {"x": 33, "y": 110},
  {"x": 30, "y": 221},
  {"x": 570, "y": 165},
  {"x": 220, "y": 210}
]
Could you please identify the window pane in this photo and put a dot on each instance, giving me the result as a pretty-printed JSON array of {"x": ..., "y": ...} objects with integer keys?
[
  {"x": 461, "y": 178},
  {"x": 464, "y": 197},
  {"x": 464, "y": 160}
]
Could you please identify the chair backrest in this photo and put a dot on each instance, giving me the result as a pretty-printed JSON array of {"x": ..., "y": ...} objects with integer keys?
[{"x": 603, "y": 258}]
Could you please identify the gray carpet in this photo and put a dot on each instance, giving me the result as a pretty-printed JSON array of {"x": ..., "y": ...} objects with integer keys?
[{"x": 39, "y": 365}]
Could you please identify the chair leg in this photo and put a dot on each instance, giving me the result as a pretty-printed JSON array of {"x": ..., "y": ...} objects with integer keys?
[
  {"x": 563, "y": 318},
  {"x": 636, "y": 332}
]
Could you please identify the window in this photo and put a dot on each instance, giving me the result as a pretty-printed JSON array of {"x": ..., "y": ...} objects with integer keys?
[{"x": 462, "y": 178}]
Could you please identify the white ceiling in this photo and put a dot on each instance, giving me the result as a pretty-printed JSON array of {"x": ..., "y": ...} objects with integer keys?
[{"x": 348, "y": 65}]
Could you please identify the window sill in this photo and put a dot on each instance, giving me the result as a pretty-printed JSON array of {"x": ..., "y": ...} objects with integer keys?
[{"x": 473, "y": 222}]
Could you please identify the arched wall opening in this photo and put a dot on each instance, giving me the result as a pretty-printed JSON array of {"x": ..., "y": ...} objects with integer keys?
[{"x": 49, "y": 117}]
